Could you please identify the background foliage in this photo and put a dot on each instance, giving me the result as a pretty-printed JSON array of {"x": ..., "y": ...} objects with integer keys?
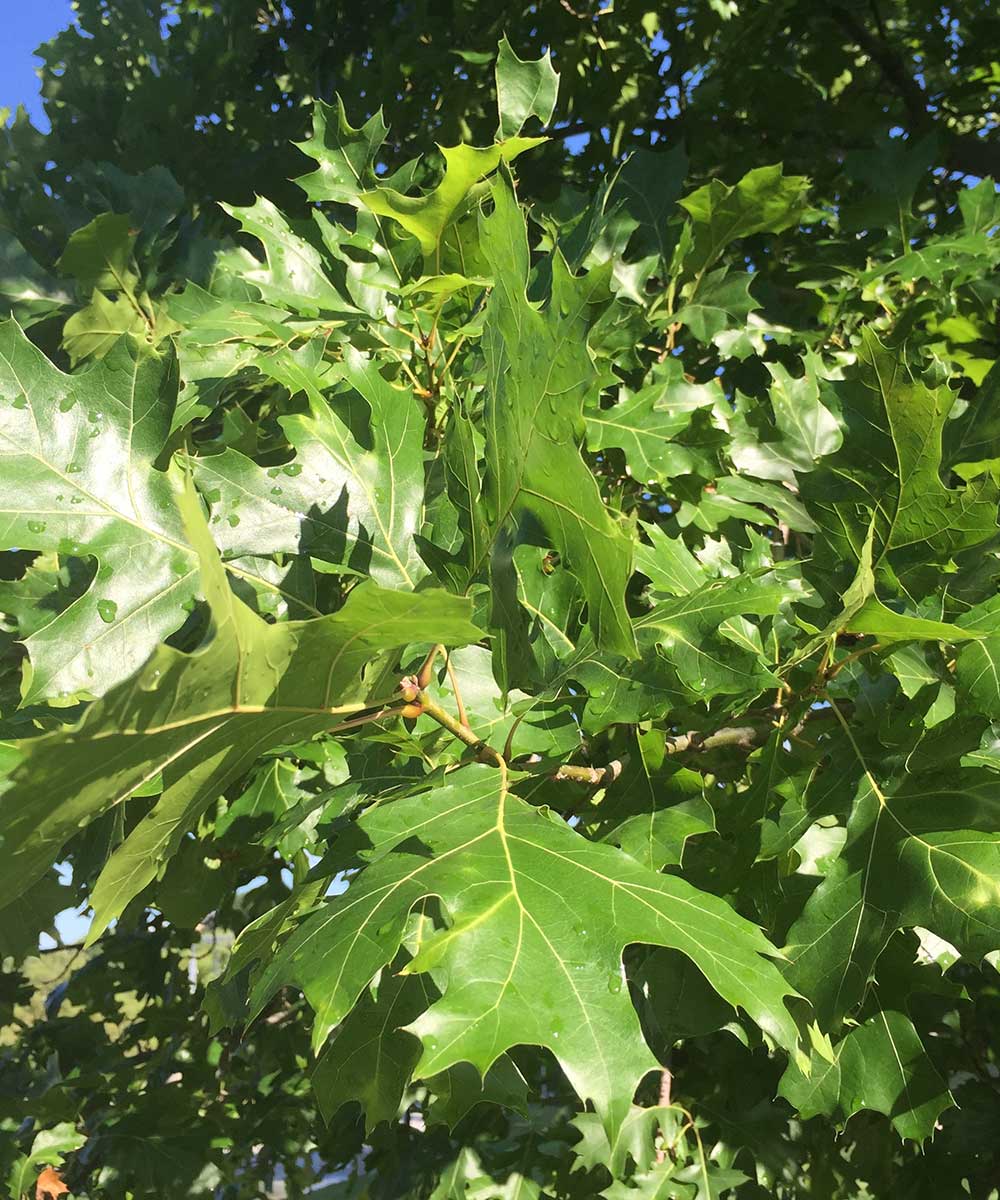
[{"x": 660, "y": 395}]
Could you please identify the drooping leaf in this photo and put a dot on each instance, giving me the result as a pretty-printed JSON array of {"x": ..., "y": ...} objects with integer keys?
[
  {"x": 201, "y": 720},
  {"x": 540, "y": 373}
]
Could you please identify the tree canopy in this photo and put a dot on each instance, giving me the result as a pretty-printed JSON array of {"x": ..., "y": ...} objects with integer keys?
[{"x": 498, "y": 602}]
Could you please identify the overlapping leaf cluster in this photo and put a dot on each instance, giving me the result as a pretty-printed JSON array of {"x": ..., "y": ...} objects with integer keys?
[{"x": 515, "y": 662}]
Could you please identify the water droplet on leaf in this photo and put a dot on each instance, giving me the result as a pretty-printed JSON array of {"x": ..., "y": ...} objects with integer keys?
[{"x": 107, "y": 610}]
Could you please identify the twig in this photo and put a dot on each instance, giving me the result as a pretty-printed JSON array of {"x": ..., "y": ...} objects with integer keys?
[
  {"x": 666, "y": 1088},
  {"x": 595, "y": 776},
  {"x": 741, "y": 737},
  {"x": 425, "y": 704},
  {"x": 389, "y": 710},
  {"x": 78, "y": 946},
  {"x": 456, "y": 691}
]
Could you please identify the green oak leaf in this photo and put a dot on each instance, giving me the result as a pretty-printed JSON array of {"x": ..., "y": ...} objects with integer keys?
[
  {"x": 977, "y": 665},
  {"x": 79, "y": 477},
  {"x": 887, "y": 473},
  {"x": 655, "y": 806},
  {"x": 455, "y": 1092},
  {"x": 720, "y": 303},
  {"x": 635, "y": 1140},
  {"x": 911, "y": 667},
  {"x": 538, "y": 919},
  {"x": 689, "y": 654},
  {"x": 428, "y": 216},
  {"x": 272, "y": 792},
  {"x": 863, "y": 612},
  {"x": 202, "y": 720},
  {"x": 372, "y": 1057},
  {"x": 345, "y": 156},
  {"x": 48, "y": 587},
  {"x": 940, "y": 258},
  {"x": 922, "y": 853},
  {"x": 358, "y": 506},
  {"x": 32, "y": 914},
  {"x": 764, "y": 200},
  {"x": 551, "y": 599},
  {"x": 879, "y": 621},
  {"x": 880, "y": 1065},
  {"x": 792, "y": 784},
  {"x": 525, "y": 88},
  {"x": 734, "y": 496},
  {"x": 980, "y": 207},
  {"x": 463, "y": 449},
  {"x": 540, "y": 374},
  {"x": 218, "y": 342},
  {"x": 668, "y": 564},
  {"x": 27, "y": 291},
  {"x": 804, "y": 428},
  {"x": 93, "y": 330},
  {"x": 295, "y": 276},
  {"x": 644, "y": 426},
  {"x": 649, "y": 184},
  {"x": 100, "y": 255},
  {"x": 532, "y": 727}
]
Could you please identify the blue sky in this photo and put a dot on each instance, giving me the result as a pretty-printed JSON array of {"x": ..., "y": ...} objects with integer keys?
[{"x": 25, "y": 26}]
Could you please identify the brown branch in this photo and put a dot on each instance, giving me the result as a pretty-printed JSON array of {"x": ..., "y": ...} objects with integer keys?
[
  {"x": 417, "y": 702},
  {"x": 666, "y": 1089},
  {"x": 889, "y": 62},
  {"x": 964, "y": 152}
]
